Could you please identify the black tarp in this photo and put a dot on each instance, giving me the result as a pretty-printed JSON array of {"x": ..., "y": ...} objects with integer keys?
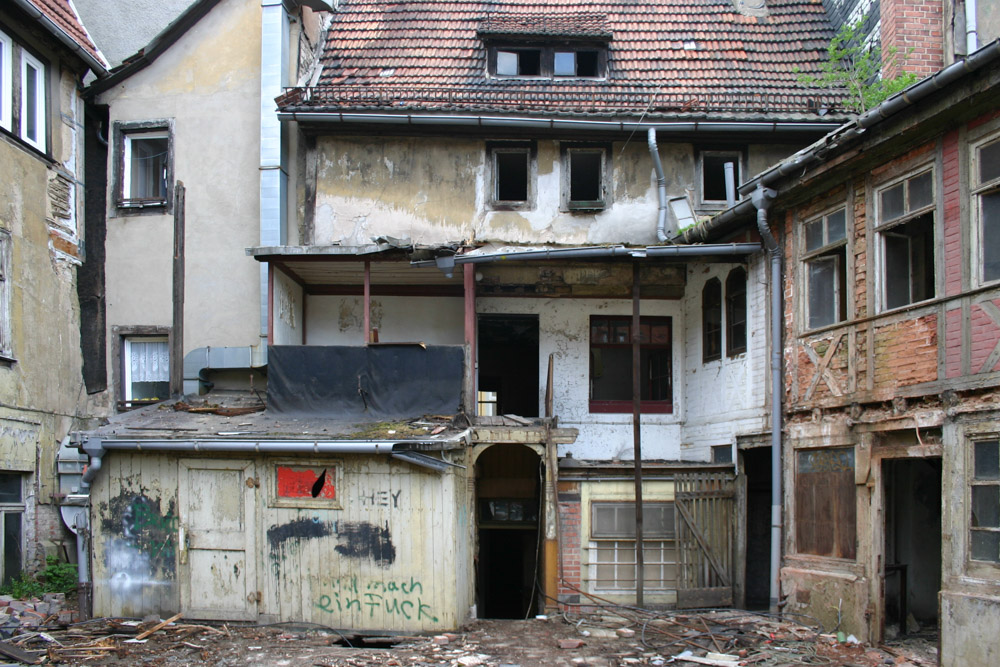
[{"x": 380, "y": 381}]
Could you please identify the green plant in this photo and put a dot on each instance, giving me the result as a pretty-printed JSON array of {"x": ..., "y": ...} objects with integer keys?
[
  {"x": 55, "y": 577},
  {"x": 853, "y": 66}
]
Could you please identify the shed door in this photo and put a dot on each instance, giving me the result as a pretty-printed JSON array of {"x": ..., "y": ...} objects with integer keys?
[
  {"x": 218, "y": 569},
  {"x": 705, "y": 527}
]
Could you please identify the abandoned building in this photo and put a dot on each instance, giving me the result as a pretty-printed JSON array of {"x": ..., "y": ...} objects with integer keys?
[{"x": 44, "y": 54}]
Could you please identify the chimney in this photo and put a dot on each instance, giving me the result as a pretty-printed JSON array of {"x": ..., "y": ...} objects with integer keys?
[{"x": 915, "y": 28}]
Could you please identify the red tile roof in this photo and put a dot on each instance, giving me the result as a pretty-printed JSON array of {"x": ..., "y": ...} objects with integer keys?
[
  {"x": 666, "y": 58},
  {"x": 63, "y": 14}
]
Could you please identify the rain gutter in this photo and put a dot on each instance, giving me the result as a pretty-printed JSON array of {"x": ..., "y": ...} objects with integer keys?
[
  {"x": 527, "y": 122},
  {"x": 96, "y": 448},
  {"x": 99, "y": 68}
]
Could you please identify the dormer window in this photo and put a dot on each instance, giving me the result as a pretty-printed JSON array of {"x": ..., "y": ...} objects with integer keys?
[{"x": 546, "y": 62}]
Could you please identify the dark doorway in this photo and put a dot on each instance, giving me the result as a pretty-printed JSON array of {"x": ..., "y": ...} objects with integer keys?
[
  {"x": 757, "y": 466},
  {"x": 912, "y": 577},
  {"x": 508, "y": 365},
  {"x": 507, "y": 495}
]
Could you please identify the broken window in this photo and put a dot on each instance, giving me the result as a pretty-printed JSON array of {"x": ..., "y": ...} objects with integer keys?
[
  {"x": 587, "y": 61},
  {"x": 714, "y": 175},
  {"x": 824, "y": 263},
  {"x": 511, "y": 166},
  {"x": 984, "y": 519},
  {"x": 711, "y": 320},
  {"x": 316, "y": 484},
  {"x": 612, "y": 546},
  {"x": 584, "y": 183},
  {"x": 906, "y": 235},
  {"x": 145, "y": 370},
  {"x": 144, "y": 164},
  {"x": 611, "y": 364},
  {"x": 986, "y": 191},
  {"x": 825, "y": 503},
  {"x": 736, "y": 312},
  {"x": 11, "y": 514},
  {"x": 6, "y": 344}
]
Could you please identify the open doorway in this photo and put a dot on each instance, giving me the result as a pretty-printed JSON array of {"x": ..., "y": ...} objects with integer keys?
[
  {"x": 757, "y": 467},
  {"x": 508, "y": 365},
  {"x": 507, "y": 500},
  {"x": 912, "y": 577}
]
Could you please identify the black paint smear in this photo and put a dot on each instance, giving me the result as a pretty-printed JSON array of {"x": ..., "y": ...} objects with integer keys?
[
  {"x": 365, "y": 540},
  {"x": 299, "y": 529},
  {"x": 318, "y": 484}
]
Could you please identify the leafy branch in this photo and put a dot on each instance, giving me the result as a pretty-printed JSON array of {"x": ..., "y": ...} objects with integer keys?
[{"x": 852, "y": 66}]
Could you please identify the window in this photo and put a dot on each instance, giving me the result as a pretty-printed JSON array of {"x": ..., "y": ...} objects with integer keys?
[
  {"x": 612, "y": 546},
  {"x": 736, "y": 312},
  {"x": 145, "y": 370},
  {"x": 144, "y": 166},
  {"x": 984, "y": 519},
  {"x": 311, "y": 484},
  {"x": 511, "y": 167},
  {"x": 824, "y": 242},
  {"x": 611, "y": 364},
  {"x": 722, "y": 453},
  {"x": 32, "y": 101},
  {"x": 11, "y": 513},
  {"x": 6, "y": 344},
  {"x": 584, "y": 177},
  {"x": 586, "y": 61},
  {"x": 711, "y": 320},
  {"x": 713, "y": 176},
  {"x": 906, "y": 241},
  {"x": 825, "y": 503},
  {"x": 486, "y": 403},
  {"x": 6, "y": 81},
  {"x": 986, "y": 191}
]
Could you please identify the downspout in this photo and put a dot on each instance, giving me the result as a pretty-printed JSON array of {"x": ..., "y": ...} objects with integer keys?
[
  {"x": 971, "y": 33},
  {"x": 761, "y": 199},
  {"x": 661, "y": 187}
]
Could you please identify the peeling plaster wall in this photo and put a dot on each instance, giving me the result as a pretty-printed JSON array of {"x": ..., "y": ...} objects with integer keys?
[
  {"x": 564, "y": 330},
  {"x": 207, "y": 85},
  {"x": 288, "y": 325},
  {"x": 339, "y": 320},
  {"x": 433, "y": 190},
  {"x": 737, "y": 384}
]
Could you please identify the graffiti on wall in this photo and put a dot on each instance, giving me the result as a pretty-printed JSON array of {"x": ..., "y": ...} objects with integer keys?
[
  {"x": 396, "y": 597},
  {"x": 380, "y": 499},
  {"x": 140, "y": 548},
  {"x": 355, "y": 539}
]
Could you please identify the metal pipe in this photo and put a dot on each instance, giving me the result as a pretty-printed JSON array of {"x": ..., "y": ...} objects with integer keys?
[
  {"x": 661, "y": 187},
  {"x": 522, "y": 122},
  {"x": 99, "y": 68},
  {"x": 730, "y": 170},
  {"x": 971, "y": 33},
  {"x": 761, "y": 200},
  {"x": 637, "y": 435}
]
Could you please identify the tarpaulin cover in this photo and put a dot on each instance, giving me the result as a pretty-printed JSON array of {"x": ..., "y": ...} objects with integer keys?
[{"x": 384, "y": 381}]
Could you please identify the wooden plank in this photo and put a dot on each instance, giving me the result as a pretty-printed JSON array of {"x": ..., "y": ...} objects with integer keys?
[
  {"x": 158, "y": 626},
  {"x": 19, "y": 654},
  {"x": 698, "y": 598}
]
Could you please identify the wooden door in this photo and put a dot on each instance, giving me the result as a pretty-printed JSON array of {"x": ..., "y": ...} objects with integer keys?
[
  {"x": 218, "y": 572},
  {"x": 705, "y": 533}
]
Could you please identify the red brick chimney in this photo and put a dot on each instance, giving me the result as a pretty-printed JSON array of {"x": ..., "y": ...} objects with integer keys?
[{"x": 916, "y": 29}]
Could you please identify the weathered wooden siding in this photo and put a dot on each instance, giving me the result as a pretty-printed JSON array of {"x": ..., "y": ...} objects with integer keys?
[{"x": 390, "y": 554}]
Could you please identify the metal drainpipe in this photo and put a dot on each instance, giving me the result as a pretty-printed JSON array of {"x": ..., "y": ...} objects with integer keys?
[
  {"x": 661, "y": 187},
  {"x": 971, "y": 32},
  {"x": 761, "y": 200}
]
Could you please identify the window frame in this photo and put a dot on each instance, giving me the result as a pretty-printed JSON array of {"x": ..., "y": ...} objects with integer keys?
[
  {"x": 711, "y": 332},
  {"x": 979, "y": 189},
  {"x": 700, "y": 172},
  {"x": 6, "y": 328},
  {"x": 736, "y": 347},
  {"x": 41, "y": 102},
  {"x": 123, "y": 133},
  {"x": 12, "y": 507},
  {"x": 624, "y": 544},
  {"x": 495, "y": 148},
  {"x": 883, "y": 230},
  {"x": 6, "y": 81},
  {"x": 972, "y": 483},
  {"x": 546, "y": 59},
  {"x": 334, "y": 467},
  {"x": 623, "y": 406},
  {"x": 837, "y": 250},
  {"x": 568, "y": 151}
]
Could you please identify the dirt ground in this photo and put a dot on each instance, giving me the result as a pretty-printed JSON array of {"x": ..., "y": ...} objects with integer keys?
[{"x": 605, "y": 639}]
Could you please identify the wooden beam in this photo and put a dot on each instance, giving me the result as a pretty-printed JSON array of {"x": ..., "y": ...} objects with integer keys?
[{"x": 177, "y": 328}]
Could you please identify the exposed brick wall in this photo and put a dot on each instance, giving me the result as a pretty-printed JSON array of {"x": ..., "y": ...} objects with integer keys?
[
  {"x": 569, "y": 542},
  {"x": 953, "y": 344},
  {"x": 952, "y": 223},
  {"x": 985, "y": 335},
  {"x": 915, "y": 28},
  {"x": 906, "y": 353}
]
